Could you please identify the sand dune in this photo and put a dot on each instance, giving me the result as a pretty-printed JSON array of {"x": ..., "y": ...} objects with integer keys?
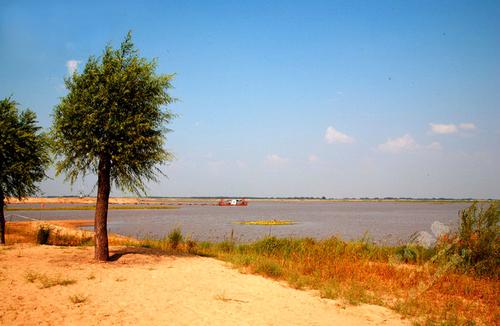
[{"x": 144, "y": 287}]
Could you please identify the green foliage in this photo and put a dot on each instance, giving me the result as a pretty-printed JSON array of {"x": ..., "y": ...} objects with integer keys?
[
  {"x": 475, "y": 246},
  {"x": 175, "y": 238},
  {"x": 268, "y": 268},
  {"x": 23, "y": 151},
  {"x": 114, "y": 111}
]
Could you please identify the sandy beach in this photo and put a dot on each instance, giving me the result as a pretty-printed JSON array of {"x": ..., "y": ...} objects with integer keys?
[{"x": 144, "y": 287}]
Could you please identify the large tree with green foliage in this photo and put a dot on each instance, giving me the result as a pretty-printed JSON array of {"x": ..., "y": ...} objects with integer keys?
[
  {"x": 112, "y": 123},
  {"x": 23, "y": 155}
]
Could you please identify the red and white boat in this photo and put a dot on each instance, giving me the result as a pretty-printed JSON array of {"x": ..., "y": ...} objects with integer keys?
[{"x": 233, "y": 202}]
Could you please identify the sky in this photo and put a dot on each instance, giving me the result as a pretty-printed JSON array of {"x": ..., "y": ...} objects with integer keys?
[{"x": 288, "y": 98}]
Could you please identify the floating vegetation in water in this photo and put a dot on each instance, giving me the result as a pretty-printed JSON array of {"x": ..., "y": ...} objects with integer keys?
[{"x": 267, "y": 222}]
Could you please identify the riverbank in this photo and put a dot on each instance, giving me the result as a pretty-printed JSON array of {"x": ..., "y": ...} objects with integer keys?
[
  {"x": 351, "y": 273},
  {"x": 145, "y": 286}
]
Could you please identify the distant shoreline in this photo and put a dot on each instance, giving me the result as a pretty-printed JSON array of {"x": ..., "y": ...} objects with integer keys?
[{"x": 167, "y": 200}]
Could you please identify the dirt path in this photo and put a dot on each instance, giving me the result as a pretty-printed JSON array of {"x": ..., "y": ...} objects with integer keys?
[{"x": 143, "y": 287}]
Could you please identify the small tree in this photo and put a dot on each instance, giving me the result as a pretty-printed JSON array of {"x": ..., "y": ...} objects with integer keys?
[
  {"x": 111, "y": 123},
  {"x": 23, "y": 155}
]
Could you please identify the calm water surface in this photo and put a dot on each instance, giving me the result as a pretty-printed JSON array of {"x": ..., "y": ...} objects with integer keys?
[{"x": 384, "y": 222}]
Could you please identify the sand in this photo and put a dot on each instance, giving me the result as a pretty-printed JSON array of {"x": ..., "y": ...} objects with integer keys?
[{"x": 144, "y": 287}]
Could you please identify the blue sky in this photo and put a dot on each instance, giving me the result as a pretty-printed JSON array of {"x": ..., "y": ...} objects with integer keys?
[{"x": 297, "y": 98}]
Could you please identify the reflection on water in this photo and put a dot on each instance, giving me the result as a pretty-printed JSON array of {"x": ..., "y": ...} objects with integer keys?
[{"x": 386, "y": 222}]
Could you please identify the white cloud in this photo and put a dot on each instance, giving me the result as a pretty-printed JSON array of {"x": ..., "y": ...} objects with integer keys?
[
  {"x": 72, "y": 65},
  {"x": 275, "y": 159},
  {"x": 332, "y": 135},
  {"x": 312, "y": 158},
  {"x": 467, "y": 126},
  {"x": 435, "y": 146},
  {"x": 401, "y": 144},
  {"x": 440, "y": 128}
]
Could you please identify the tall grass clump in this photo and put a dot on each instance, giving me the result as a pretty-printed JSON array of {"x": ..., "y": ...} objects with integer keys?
[
  {"x": 175, "y": 238},
  {"x": 43, "y": 234},
  {"x": 475, "y": 246}
]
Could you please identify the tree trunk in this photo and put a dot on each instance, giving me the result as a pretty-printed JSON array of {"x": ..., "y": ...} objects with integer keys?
[
  {"x": 101, "y": 209},
  {"x": 2, "y": 219}
]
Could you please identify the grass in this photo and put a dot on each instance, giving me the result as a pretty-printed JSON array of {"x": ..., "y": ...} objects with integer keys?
[
  {"x": 267, "y": 222},
  {"x": 88, "y": 208},
  {"x": 358, "y": 272},
  {"x": 78, "y": 298},
  {"x": 46, "y": 281}
]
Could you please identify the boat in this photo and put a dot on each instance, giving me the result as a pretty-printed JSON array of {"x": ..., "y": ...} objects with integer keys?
[{"x": 233, "y": 202}]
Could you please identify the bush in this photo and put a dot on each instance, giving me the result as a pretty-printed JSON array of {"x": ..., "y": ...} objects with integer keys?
[
  {"x": 475, "y": 246},
  {"x": 42, "y": 235},
  {"x": 175, "y": 238}
]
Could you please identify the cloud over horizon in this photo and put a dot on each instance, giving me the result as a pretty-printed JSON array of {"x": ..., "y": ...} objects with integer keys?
[
  {"x": 332, "y": 135},
  {"x": 451, "y": 128}
]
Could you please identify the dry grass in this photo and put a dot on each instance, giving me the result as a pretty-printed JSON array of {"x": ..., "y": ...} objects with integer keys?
[
  {"x": 78, "y": 298},
  {"x": 61, "y": 233},
  {"x": 359, "y": 272},
  {"x": 46, "y": 281}
]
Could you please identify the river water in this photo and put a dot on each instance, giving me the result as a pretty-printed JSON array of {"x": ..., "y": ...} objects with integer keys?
[{"x": 386, "y": 222}]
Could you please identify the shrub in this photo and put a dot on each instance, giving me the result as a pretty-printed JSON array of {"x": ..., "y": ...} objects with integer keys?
[
  {"x": 269, "y": 268},
  {"x": 226, "y": 246},
  {"x": 78, "y": 298},
  {"x": 175, "y": 238},
  {"x": 475, "y": 246},
  {"x": 42, "y": 234}
]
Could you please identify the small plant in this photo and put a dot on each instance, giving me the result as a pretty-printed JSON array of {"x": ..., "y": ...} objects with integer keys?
[
  {"x": 78, "y": 298},
  {"x": 191, "y": 246},
  {"x": 269, "y": 268},
  {"x": 331, "y": 290},
  {"x": 43, "y": 234},
  {"x": 120, "y": 279},
  {"x": 47, "y": 281},
  {"x": 226, "y": 246},
  {"x": 31, "y": 277},
  {"x": 175, "y": 238}
]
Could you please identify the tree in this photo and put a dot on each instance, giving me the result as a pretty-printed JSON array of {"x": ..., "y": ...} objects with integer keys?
[
  {"x": 23, "y": 155},
  {"x": 112, "y": 123}
]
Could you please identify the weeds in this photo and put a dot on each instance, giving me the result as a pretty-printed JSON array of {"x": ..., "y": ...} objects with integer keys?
[
  {"x": 43, "y": 234},
  {"x": 175, "y": 238},
  {"x": 78, "y": 298},
  {"x": 475, "y": 247},
  {"x": 47, "y": 281}
]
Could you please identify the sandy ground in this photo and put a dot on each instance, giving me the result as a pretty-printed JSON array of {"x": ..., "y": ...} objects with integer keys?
[{"x": 144, "y": 287}]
